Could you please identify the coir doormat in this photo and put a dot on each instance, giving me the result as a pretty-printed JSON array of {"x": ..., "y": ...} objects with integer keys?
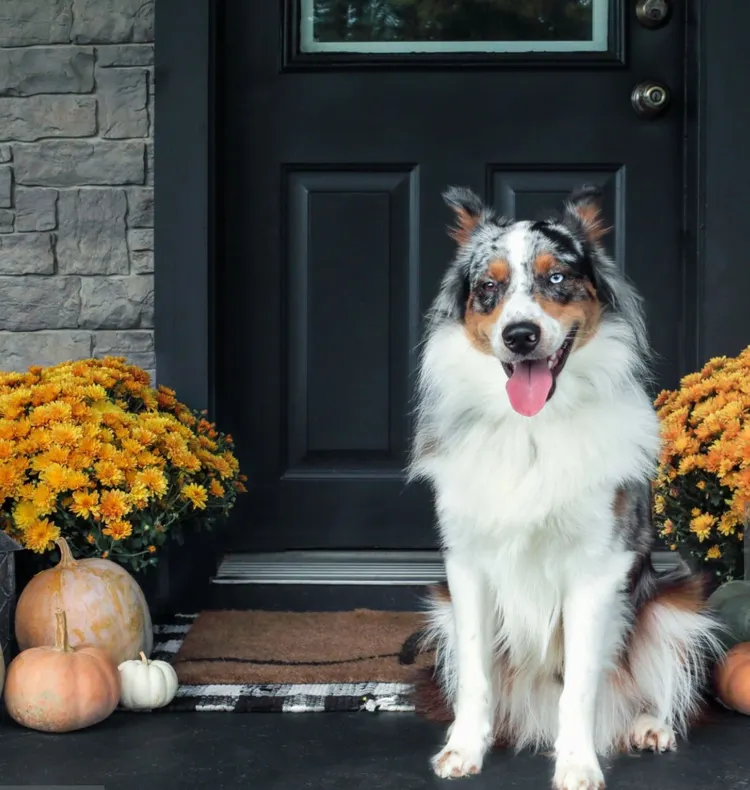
[{"x": 248, "y": 661}]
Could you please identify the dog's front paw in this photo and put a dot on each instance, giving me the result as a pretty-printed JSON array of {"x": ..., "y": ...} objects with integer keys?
[
  {"x": 649, "y": 733},
  {"x": 572, "y": 774},
  {"x": 453, "y": 762}
]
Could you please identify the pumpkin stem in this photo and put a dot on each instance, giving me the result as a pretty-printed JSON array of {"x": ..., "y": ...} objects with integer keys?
[
  {"x": 61, "y": 632},
  {"x": 66, "y": 556},
  {"x": 143, "y": 657}
]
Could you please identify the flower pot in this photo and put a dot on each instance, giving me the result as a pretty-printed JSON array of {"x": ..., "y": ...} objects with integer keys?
[{"x": 179, "y": 581}]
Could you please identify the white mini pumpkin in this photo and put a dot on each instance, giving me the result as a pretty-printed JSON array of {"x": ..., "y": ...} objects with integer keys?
[{"x": 145, "y": 685}]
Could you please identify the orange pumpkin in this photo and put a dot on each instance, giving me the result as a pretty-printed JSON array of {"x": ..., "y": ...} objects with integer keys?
[
  {"x": 61, "y": 688},
  {"x": 104, "y": 605},
  {"x": 733, "y": 678}
]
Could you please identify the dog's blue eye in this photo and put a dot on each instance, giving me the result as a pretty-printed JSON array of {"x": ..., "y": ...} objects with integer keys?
[{"x": 556, "y": 278}]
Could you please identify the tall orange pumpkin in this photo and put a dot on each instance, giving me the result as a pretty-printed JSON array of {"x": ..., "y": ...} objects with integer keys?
[
  {"x": 104, "y": 605},
  {"x": 60, "y": 688}
]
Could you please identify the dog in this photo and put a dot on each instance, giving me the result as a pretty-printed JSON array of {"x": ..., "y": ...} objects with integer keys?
[{"x": 535, "y": 431}]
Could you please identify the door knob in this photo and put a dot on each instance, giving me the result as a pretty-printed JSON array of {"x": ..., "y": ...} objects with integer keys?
[
  {"x": 650, "y": 99},
  {"x": 653, "y": 13}
]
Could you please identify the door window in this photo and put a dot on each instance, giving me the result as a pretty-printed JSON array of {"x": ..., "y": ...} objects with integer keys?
[{"x": 445, "y": 26}]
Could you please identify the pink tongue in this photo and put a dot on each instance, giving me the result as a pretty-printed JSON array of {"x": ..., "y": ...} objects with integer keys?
[{"x": 529, "y": 386}]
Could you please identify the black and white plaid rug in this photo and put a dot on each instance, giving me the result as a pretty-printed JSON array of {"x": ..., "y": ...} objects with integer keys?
[{"x": 169, "y": 634}]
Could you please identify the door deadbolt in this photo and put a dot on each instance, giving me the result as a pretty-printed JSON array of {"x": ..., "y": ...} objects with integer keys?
[
  {"x": 650, "y": 99},
  {"x": 653, "y": 13}
]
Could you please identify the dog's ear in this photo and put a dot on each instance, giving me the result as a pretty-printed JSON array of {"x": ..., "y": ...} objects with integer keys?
[
  {"x": 450, "y": 303},
  {"x": 469, "y": 211},
  {"x": 582, "y": 213}
]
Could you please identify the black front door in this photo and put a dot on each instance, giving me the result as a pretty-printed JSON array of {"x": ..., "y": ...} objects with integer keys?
[{"x": 341, "y": 123}]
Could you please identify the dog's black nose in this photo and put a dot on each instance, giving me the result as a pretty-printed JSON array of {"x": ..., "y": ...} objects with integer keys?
[{"x": 522, "y": 337}]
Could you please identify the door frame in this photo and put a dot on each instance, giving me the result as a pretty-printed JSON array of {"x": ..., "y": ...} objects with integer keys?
[{"x": 188, "y": 191}]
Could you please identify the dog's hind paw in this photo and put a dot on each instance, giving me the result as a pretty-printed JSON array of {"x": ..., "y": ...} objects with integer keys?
[{"x": 650, "y": 734}]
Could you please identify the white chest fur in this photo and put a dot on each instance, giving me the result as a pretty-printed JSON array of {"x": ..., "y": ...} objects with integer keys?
[{"x": 496, "y": 472}]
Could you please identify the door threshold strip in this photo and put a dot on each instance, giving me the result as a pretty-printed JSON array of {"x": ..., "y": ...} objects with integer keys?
[{"x": 401, "y": 568}]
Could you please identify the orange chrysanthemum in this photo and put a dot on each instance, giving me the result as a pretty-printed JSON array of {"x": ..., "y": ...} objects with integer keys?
[
  {"x": 91, "y": 448},
  {"x": 702, "y": 488},
  {"x": 118, "y": 530},
  {"x": 113, "y": 505}
]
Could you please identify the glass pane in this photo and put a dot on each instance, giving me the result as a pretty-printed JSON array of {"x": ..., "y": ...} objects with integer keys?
[{"x": 404, "y": 26}]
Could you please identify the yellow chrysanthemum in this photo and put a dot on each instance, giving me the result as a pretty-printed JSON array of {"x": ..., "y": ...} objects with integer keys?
[
  {"x": 154, "y": 480},
  {"x": 85, "y": 503},
  {"x": 108, "y": 474},
  {"x": 50, "y": 412},
  {"x": 713, "y": 553},
  {"x": 118, "y": 530},
  {"x": 138, "y": 496},
  {"x": 701, "y": 525},
  {"x": 40, "y": 535},
  {"x": 65, "y": 434},
  {"x": 196, "y": 495},
  {"x": 25, "y": 514},
  {"x": 44, "y": 499},
  {"x": 113, "y": 505},
  {"x": 55, "y": 476},
  {"x": 11, "y": 477},
  {"x": 93, "y": 438}
]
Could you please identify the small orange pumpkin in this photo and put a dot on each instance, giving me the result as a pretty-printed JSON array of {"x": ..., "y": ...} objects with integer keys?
[
  {"x": 104, "y": 605},
  {"x": 61, "y": 688},
  {"x": 733, "y": 678}
]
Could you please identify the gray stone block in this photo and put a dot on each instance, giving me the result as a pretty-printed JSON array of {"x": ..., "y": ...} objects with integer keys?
[
  {"x": 27, "y": 253},
  {"x": 32, "y": 302},
  {"x": 117, "y": 302},
  {"x": 141, "y": 239},
  {"x": 36, "y": 209},
  {"x": 112, "y": 21},
  {"x": 6, "y": 153},
  {"x": 27, "y": 71},
  {"x": 122, "y": 103},
  {"x": 69, "y": 163},
  {"x": 92, "y": 236},
  {"x": 125, "y": 55},
  {"x": 38, "y": 117},
  {"x": 136, "y": 345},
  {"x": 26, "y": 22},
  {"x": 141, "y": 244},
  {"x": 20, "y": 350},
  {"x": 150, "y": 164},
  {"x": 140, "y": 207},
  {"x": 142, "y": 261},
  {"x": 6, "y": 186},
  {"x": 7, "y": 220}
]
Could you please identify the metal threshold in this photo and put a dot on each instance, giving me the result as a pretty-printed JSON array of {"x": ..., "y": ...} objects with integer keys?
[{"x": 400, "y": 568}]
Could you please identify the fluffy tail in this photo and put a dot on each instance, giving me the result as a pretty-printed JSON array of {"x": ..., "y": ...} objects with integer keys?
[
  {"x": 673, "y": 647},
  {"x": 432, "y": 692}
]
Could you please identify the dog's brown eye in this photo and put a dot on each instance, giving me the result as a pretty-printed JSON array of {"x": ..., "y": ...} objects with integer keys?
[{"x": 488, "y": 286}]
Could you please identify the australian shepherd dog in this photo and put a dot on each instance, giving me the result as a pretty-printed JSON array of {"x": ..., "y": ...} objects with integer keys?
[{"x": 538, "y": 437}]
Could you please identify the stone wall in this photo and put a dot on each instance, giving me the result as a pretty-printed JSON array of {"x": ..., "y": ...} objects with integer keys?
[{"x": 76, "y": 181}]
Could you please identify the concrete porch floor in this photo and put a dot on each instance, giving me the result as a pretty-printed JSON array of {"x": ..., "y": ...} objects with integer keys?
[{"x": 325, "y": 752}]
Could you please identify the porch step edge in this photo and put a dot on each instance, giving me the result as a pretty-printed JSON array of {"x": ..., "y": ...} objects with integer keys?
[{"x": 380, "y": 568}]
